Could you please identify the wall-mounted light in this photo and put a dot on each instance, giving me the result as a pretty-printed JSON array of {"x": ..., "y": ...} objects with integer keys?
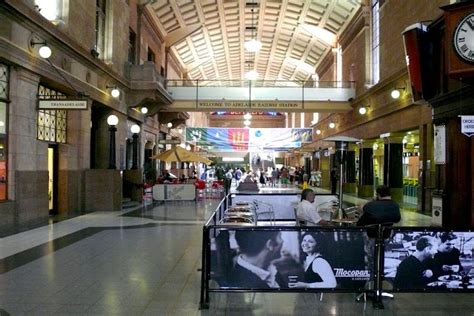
[
  {"x": 318, "y": 132},
  {"x": 247, "y": 123},
  {"x": 44, "y": 51},
  {"x": 169, "y": 125},
  {"x": 114, "y": 92},
  {"x": 144, "y": 110},
  {"x": 247, "y": 116},
  {"x": 332, "y": 125},
  {"x": 188, "y": 147},
  {"x": 363, "y": 109},
  {"x": 395, "y": 94}
]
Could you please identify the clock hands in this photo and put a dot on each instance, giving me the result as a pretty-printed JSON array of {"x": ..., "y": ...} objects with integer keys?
[{"x": 470, "y": 22}]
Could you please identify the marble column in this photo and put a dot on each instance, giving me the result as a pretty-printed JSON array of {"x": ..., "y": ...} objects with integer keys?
[
  {"x": 350, "y": 185},
  {"x": 366, "y": 169},
  {"x": 393, "y": 167}
]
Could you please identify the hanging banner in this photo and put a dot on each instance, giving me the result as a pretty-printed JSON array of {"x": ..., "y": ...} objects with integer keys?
[
  {"x": 248, "y": 139},
  {"x": 467, "y": 125},
  {"x": 440, "y": 145}
]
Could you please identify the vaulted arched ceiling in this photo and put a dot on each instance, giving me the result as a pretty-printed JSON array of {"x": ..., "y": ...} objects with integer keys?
[{"x": 216, "y": 50}]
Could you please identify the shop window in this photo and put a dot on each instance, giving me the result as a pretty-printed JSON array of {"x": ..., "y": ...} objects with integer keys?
[
  {"x": 132, "y": 46},
  {"x": 4, "y": 99},
  {"x": 151, "y": 55},
  {"x": 52, "y": 10},
  {"x": 52, "y": 124},
  {"x": 375, "y": 44}
]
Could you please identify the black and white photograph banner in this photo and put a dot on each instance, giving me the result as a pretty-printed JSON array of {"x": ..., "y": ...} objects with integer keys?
[
  {"x": 293, "y": 259},
  {"x": 429, "y": 260}
]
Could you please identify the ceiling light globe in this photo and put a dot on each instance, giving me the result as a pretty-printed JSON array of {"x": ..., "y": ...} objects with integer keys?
[
  {"x": 247, "y": 123},
  {"x": 253, "y": 45},
  {"x": 170, "y": 125},
  {"x": 248, "y": 116},
  {"x": 251, "y": 75},
  {"x": 332, "y": 125},
  {"x": 318, "y": 132},
  {"x": 144, "y": 110}
]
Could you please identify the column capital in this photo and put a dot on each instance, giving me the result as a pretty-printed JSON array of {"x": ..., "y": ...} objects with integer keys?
[
  {"x": 393, "y": 139},
  {"x": 367, "y": 143}
]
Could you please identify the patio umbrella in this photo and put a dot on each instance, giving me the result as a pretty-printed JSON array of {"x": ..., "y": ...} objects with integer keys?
[{"x": 179, "y": 154}]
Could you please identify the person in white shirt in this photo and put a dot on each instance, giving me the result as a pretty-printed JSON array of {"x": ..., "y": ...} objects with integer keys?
[{"x": 306, "y": 210}]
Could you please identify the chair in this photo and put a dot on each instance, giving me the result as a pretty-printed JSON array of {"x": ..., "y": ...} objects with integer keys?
[
  {"x": 262, "y": 208},
  {"x": 380, "y": 233}
]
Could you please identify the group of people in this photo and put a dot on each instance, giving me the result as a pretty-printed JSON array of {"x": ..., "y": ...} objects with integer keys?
[
  {"x": 434, "y": 256},
  {"x": 381, "y": 210}
]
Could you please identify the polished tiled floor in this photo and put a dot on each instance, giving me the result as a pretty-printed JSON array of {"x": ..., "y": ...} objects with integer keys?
[{"x": 147, "y": 263}]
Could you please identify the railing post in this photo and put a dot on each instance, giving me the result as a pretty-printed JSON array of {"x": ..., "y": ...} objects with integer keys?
[
  {"x": 204, "y": 301},
  {"x": 378, "y": 268},
  {"x": 197, "y": 93}
]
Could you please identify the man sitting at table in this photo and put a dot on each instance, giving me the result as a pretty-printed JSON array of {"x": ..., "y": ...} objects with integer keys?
[
  {"x": 381, "y": 210},
  {"x": 414, "y": 272},
  {"x": 306, "y": 211},
  {"x": 446, "y": 261}
]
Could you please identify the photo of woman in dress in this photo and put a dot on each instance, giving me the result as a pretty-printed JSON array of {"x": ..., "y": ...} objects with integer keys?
[{"x": 318, "y": 273}]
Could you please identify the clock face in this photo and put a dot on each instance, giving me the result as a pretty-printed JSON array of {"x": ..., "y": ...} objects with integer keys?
[{"x": 464, "y": 38}]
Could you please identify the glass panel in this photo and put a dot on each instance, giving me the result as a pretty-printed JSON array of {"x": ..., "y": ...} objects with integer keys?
[
  {"x": 52, "y": 124},
  {"x": 3, "y": 82},
  {"x": 3, "y": 153}
]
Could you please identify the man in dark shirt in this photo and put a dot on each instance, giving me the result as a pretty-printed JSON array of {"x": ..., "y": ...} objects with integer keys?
[
  {"x": 254, "y": 267},
  {"x": 446, "y": 261},
  {"x": 381, "y": 210},
  {"x": 413, "y": 273}
]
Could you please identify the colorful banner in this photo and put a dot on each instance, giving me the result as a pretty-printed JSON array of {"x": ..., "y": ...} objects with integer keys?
[{"x": 248, "y": 139}]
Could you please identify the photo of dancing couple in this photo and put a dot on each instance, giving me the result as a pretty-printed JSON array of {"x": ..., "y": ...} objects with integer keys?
[
  {"x": 289, "y": 259},
  {"x": 430, "y": 260}
]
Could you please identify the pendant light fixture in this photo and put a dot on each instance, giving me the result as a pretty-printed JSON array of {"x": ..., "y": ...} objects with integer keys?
[{"x": 253, "y": 45}]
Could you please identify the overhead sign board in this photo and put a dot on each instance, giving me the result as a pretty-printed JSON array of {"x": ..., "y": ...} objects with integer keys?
[
  {"x": 467, "y": 125},
  {"x": 62, "y": 104},
  {"x": 169, "y": 141},
  {"x": 252, "y": 105}
]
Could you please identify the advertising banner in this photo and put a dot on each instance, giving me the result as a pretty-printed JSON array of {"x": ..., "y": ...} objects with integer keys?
[
  {"x": 429, "y": 260},
  {"x": 290, "y": 259},
  {"x": 248, "y": 139}
]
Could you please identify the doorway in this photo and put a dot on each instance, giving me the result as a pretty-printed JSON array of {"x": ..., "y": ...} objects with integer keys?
[{"x": 53, "y": 179}]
